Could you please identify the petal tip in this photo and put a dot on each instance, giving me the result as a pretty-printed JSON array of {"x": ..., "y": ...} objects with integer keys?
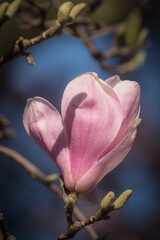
[
  {"x": 136, "y": 84},
  {"x": 31, "y": 100},
  {"x": 117, "y": 77},
  {"x": 113, "y": 81},
  {"x": 138, "y": 121},
  {"x": 93, "y": 75}
]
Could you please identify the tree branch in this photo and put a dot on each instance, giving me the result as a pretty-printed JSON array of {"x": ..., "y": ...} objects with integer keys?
[
  {"x": 4, "y": 235},
  {"x": 22, "y": 44},
  {"x": 116, "y": 51},
  {"x": 107, "y": 205},
  {"x": 37, "y": 175},
  {"x": 77, "y": 226}
]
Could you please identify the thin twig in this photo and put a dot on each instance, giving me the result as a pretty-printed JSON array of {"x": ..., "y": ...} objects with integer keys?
[
  {"x": 116, "y": 51},
  {"x": 4, "y": 235},
  {"x": 37, "y": 175},
  {"x": 22, "y": 44},
  {"x": 77, "y": 226},
  {"x": 103, "y": 30},
  {"x": 88, "y": 41}
]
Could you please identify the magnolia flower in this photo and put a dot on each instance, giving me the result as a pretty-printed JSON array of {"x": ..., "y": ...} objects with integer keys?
[{"x": 95, "y": 132}]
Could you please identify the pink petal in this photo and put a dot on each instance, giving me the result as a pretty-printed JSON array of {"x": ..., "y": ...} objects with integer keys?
[
  {"x": 113, "y": 81},
  {"x": 44, "y": 125},
  {"x": 92, "y": 117},
  {"x": 107, "y": 163},
  {"x": 128, "y": 93}
]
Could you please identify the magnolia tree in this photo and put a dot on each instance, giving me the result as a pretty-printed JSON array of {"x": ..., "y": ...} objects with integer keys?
[{"x": 99, "y": 118}]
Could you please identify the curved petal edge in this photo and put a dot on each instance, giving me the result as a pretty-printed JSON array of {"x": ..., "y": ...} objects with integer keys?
[
  {"x": 43, "y": 124},
  {"x": 107, "y": 163}
]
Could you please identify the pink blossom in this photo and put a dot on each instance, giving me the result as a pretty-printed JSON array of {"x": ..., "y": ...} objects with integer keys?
[{"x": 96, "y": 130}]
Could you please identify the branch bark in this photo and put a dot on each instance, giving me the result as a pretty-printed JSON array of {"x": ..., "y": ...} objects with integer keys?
[{"x": 4, "y": 235}]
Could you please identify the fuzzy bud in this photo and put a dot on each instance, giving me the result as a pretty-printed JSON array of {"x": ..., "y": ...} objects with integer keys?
[
  {"x": 12, "y": 8},
  {"x": 76, "y": 10},
  {"x": 3, "y": 8},
  {"x": 122, "y": 199},
  {"x": 106, "y": 201},
  {"x": 64, "y": 11},
  {"x": 52, "y": 177}
]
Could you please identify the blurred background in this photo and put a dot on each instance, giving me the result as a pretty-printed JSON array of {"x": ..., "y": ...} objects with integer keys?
[{"x": 33, "y": 212}]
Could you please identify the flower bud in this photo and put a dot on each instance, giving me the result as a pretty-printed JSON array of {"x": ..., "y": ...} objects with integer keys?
[
  {"x": 64, "y": 11},
  {"x": 13, "y": 7},
  {"x": 3, "y": 8},
  {"x": 106, "y": 201},
  {"x": 52, "y": 177},
  {"x": 122, "y": 199},
  {"x": 139, "y": 58},
  {"x": 76, "y": 10},
  {"x": 142, "y": 36}
]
